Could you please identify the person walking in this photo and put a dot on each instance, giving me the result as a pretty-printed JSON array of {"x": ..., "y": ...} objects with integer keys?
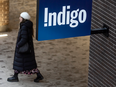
[{"x": 24, "y": 62}]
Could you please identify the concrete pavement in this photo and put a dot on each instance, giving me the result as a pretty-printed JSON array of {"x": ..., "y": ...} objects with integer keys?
[{"x": 63, "y": 62}]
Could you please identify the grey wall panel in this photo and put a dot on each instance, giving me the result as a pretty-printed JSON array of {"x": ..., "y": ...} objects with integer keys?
[{"x": 102, "y": 61}]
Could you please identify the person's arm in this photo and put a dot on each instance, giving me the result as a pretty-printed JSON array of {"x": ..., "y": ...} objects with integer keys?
[{"x": 24, "y": 36}]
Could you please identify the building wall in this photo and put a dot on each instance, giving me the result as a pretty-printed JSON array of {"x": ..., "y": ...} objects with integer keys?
[
  {"x": 4, "y": 12},
  {"x": 102, "y": 61},
  {"x": 18, "y": 6}
]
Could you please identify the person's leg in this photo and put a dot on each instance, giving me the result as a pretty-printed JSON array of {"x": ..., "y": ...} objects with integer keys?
[
  {"x": 14, "y": 78},
  {"x": 39, "y": 76}
]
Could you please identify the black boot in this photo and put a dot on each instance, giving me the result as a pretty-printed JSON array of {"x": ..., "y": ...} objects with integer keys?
[
  {"x": 14, "y": 78},
  {"x": 39, "y": 77}
]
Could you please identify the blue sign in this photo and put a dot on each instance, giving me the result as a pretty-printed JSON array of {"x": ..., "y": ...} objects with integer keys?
[{"x": 58, "y": 19}]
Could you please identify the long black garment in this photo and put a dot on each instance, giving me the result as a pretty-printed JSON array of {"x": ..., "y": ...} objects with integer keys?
[{"x": 24, "y": 61}]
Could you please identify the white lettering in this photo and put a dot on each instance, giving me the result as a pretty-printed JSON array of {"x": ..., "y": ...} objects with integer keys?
[
  {"x": 61, "y": 16},
  {"x": 82, "y": 16},
  {"x": 74, "y": 15},
  {"x": 68, "y": 15},
  {"x": 65, "y": 17},
  {"x": 45, "y": 17},
  {"x": 52, "y": 15}
]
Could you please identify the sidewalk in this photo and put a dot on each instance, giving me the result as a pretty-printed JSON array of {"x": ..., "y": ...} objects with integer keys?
[{"x": 63, "y": 63}]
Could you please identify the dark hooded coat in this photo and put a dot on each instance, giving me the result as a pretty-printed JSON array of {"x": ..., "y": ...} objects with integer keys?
[{"x": 24, "y": 61}]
